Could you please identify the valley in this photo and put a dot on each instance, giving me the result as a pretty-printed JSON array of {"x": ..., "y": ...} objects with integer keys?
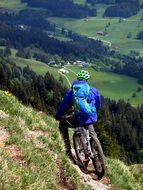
[
  {"x": 116, "y": 29},
  {"x": 43, "y": 44},
  {"x": 111, "y": 85}
]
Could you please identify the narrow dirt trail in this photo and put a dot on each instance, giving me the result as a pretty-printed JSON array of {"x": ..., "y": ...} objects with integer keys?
[
  {"x": 90, "y": 178},
  {"x": 87, "y": 178}
]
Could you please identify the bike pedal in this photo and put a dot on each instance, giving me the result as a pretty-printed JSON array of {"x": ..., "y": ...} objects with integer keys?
[{"x": 86, "y": 161}]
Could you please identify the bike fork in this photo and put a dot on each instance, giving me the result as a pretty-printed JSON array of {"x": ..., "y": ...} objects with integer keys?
[{"x": 89, "y": 151}]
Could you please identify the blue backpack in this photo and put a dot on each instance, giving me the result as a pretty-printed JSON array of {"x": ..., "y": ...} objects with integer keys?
[{"x": 82, "y": 101}]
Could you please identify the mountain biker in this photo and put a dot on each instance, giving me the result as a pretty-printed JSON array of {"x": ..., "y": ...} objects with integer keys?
[{"x": 78, "y": 120}]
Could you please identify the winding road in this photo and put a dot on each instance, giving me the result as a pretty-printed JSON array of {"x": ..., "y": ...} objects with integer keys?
[{"x": 69, "y": 83}]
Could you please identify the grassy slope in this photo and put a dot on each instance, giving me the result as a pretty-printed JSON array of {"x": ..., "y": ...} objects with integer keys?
[
  {"x": 117, "y": 32},
  {"x": 42, "y": 157},
  {"x": 80, "y": 1},
  {"x": 37, "y": 161},
  {"x": 37, "y": 66},
  {"x": 12, "y": 4},
  {"x": 126, "y": 177}
]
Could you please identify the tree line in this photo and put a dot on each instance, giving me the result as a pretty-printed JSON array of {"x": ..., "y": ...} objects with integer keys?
[
  {"x": 41, "y": 92},
  {"x": 28, "y": 18},
  {"x": 132, "y": 66},
  {"x": 20, "y": 38},
  {"x": 119, "y": 8},
  {"x": 120, "y": 128},
  {"x": 62, "y": 8},
  {"x": 140, "y": 35}
]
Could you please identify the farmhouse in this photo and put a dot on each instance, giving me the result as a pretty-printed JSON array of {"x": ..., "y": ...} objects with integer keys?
[
  {"x": 22, "y": 27},
  {"x": 64, "y": 71},
  {"x": 50, "y": 36},
  {"x": 101, "y": 33},
  {"x": 68, "y": 63},
  {"x": 81, "y": 63},
  {"x": 52, "y": 64}
]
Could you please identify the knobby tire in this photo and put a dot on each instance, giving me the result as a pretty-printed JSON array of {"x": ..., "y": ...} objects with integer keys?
[
  {"x": 80, "y": 148},
  {"x": 96, "y": 146}
]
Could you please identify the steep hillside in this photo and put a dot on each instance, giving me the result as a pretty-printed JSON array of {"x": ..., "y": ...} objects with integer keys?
[{"x": 32, "y": 155}]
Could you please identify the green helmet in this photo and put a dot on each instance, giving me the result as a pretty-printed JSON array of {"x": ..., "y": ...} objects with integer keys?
[{"x": 83, "y": 74}]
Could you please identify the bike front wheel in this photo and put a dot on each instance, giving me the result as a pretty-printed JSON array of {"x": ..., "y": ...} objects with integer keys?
[
  {"x": 98, "y": 160},
  {"x": 80, "y": 150}
]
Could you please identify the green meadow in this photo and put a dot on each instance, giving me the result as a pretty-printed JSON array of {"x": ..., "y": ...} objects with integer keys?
[
  {"x": 37, "y": 66},
  {"x": 117, "y": 30},
  {"x": 113, "y": 85},
  {"x": 110, "y": 85},
  {"x": 80, "y": 1},
  {"x": 12, "y": 4}
]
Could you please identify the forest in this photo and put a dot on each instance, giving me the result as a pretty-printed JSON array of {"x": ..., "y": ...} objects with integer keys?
[
  {"x": 82, "y": 48},
  {"x": 119, "y": 8},
  {"x": 62, "y": 8},
  {"x": 132, "y": 66},
  {"x": 140, "y": 35},
  {"x": 30, "y": 18},
  {"x": 120, "y": 128},
  {"x": 42, "y": 93}
]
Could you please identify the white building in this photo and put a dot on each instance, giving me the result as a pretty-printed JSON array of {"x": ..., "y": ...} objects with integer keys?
[
  {"x": 64, "y": 71},
  {"x": 81, "y": 63}
]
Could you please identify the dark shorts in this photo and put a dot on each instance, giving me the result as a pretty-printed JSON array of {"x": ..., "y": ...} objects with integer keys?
[{"x": 71, "y": 123}]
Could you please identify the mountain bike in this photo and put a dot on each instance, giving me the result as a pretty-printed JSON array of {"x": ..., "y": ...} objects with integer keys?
[{"x": 87, "y": 149}]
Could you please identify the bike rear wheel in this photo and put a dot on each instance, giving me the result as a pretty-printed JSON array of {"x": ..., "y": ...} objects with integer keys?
[
  {"x": 98, "y": 157},
  {"x": 80, "y": 149}
]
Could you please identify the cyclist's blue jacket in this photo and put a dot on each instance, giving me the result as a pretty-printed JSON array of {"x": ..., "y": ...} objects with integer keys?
[{"x": 67, "y": 103}]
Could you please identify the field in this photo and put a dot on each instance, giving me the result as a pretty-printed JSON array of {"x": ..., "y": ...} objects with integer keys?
[
  {"x": 113, "y": 86},
  {"x": 110, "y": 85},
  {"x": 37, "y": 66},
  {"x": 117, "y": 30},
  {"x": 80, "y": 1},
  {"x": 12, "y": 4}
]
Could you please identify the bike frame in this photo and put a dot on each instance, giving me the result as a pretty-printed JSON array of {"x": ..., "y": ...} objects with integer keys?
[{"x": 85, "y": 133}]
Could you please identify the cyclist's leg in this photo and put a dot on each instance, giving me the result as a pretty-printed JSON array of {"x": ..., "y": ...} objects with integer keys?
[
  {"x": 93, "y": 135},
  {"x": 92, "y": 132},
  {"x": 63, "y": 127}
]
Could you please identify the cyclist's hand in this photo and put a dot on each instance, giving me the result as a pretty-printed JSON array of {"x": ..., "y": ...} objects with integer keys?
[
  {"x": 57, "y": 118},
  {"x": 62, "y": 118}
]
